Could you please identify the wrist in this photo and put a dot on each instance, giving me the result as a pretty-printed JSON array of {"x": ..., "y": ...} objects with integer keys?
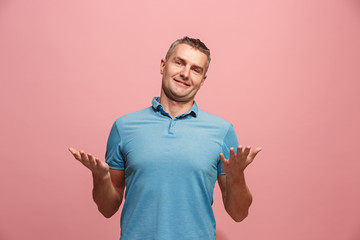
[
  {"x": 239, "y": 178},
  {"x": 101, "y": 177}
]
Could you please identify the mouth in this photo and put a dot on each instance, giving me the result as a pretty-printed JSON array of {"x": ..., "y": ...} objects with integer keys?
[{"x": 183, "y": 84}]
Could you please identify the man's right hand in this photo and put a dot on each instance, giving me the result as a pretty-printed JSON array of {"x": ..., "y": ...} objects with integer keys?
[{"x": 98, "y": 168}]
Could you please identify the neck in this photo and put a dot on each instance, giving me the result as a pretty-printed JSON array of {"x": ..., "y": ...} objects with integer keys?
[{"x": 175, "y": 108}]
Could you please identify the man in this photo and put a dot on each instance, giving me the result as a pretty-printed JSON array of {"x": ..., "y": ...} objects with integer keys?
[{"x": 169, "y": 157}]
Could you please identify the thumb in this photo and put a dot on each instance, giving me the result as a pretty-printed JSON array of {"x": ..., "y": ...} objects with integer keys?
[{"x": 222, "y": 158}]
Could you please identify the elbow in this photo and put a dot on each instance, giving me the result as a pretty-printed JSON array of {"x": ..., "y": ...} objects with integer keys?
[
  {"x": 240, "y": 217},
  {"x": 107, "y": 209},
  {"x": 238, "y": 214},
  {"x": 107, "y": 214}
]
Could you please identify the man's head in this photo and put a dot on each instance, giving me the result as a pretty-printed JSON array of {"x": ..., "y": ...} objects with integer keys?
[
  {"x": 184, "y": 69},
  {"x": 193, "y": 42}
]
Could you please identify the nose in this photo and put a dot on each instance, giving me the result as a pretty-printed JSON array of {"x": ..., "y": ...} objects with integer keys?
[{"x": 185, "y": 73}]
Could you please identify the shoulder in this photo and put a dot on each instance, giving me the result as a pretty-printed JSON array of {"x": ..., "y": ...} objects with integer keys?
[
  {"x": 222, "y": 128},
  {"x": 134, "y": 116},
  {"x": 211, "y": 118}
]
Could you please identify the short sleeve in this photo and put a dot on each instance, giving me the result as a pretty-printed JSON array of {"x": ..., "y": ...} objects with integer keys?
[
  {"x": 113, "y": 156},
  {"x": 230, "y": 140}
]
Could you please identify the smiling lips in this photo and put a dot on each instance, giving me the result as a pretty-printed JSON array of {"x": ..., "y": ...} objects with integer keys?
[{"x": 181, "y": 83}]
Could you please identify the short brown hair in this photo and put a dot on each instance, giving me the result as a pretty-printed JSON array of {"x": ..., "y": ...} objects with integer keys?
[{"x": 193, "y": 42}]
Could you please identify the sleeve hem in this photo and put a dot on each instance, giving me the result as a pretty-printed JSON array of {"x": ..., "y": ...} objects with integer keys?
[{"x": 116, "y": 168}]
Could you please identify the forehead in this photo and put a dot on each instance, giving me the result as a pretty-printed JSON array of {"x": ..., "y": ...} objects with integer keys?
[{"x": 190, "y": 55}]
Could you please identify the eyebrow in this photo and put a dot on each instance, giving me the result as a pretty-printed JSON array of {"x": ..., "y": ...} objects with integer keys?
[{"x": 183, "y": 60}]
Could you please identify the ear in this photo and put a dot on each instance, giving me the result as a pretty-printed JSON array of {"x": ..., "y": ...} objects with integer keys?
[
  {"x": 162, "y": 66},
  {"x": 203, "y": 80}
]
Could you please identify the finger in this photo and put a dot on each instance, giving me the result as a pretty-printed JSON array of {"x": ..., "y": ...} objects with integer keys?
[
  {"x": 232, "y": 153},
  {"x": 91, "y": 160},
  {"x": 255, "y": 152},
  {"x": 239, "y": 152},
  {"x": 75, "y": 153},
  {"x": 72, "y": 150},
  {"x": 246, "y": 151},
  {"x": 84, "y": 158},
  {"x": 222, "y": 158},
  {"x": 98, "y": 161}
]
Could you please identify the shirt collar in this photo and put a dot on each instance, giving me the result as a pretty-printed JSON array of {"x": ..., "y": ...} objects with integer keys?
[{"x": 158, "y": 107}]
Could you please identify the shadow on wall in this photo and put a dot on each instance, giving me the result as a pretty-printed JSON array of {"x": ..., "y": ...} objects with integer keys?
[{"x": 220, "y": 235}]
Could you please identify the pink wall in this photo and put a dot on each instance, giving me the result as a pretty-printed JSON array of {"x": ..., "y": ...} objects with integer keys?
[{"x": 284, "y": 72}]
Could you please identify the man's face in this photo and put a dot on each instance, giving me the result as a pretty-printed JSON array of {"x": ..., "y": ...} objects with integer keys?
[{"x": 183, "y": 73}]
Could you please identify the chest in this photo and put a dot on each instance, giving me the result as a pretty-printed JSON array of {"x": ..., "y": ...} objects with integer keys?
[{"x": 163, "y": 148}]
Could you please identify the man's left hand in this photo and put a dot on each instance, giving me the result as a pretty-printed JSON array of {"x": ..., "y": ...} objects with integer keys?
[{"x": 236, "y": 164}]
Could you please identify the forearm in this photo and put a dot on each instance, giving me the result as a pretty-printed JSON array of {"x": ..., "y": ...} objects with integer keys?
[
  {"x": 106, "y": 197},
  {"x": 238, "y": 197}
]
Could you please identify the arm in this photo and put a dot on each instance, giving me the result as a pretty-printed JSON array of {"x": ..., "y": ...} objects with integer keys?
[
  {"x": 109, "y": 184},
  {"x": 108, "y": 192},
  {"x": 235, "y": 193},
  {"x": 236, "y": 197}
]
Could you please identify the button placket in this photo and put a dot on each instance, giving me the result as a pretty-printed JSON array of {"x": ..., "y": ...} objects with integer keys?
[{"x": 172, "y": 126}]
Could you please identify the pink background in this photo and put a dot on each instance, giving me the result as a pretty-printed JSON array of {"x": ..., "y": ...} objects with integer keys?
[{"x": 284, "y": 72}]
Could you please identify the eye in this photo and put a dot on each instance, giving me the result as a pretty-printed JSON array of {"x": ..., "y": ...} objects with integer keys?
[
  {"x": 178, "y": 63},
  {"x": 196, "y": 70}
]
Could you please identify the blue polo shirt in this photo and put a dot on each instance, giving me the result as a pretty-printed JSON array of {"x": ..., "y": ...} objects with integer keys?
[{"x": 171, "y": 166}]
